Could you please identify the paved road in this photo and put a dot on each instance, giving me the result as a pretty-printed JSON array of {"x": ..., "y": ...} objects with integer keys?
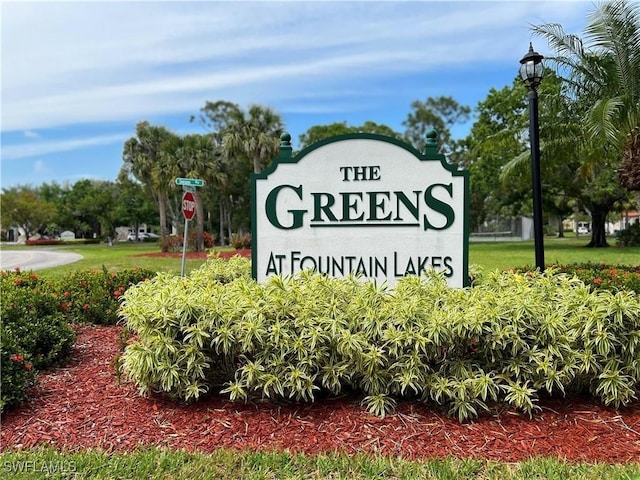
[{"x": 35, "y": 259}]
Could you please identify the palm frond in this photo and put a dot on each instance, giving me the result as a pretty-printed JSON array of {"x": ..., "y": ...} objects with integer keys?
[
  {"x": 515, "y": 166},
  {"x": 602, "y": 120}
]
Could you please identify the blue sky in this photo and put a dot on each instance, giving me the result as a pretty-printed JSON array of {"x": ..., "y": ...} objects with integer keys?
[{"x": 77, "y": 76}]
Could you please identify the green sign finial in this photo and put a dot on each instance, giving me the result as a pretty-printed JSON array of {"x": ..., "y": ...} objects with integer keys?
[
  {"x": 431, "y": 146},
  {"x": 285, "y": 145}
]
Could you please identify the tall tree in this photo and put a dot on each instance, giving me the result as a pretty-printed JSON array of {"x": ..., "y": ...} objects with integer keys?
[
  {"x": 629, "y": 171},
  {"x": 248, "y": 142},
  {"x": 493, "y": 140},
  {"x": 254, "y": 136},
  {"x": 133, "y": 204},
  {"x": 562, "y": 181},
  {"x": 87, "y": 208},
  {"x": 320, "y": 132},
  {"x": 440, "y": 114},
  {"x": 23, "y": 207},
  {"x": 499, "y": 157},
  {"x": 602, "y": 71},
  {"x": 200, "y": 158},
  {"x": 151, "y": 157}
]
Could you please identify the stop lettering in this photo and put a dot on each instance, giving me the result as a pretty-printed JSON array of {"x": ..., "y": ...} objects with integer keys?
[{"x": 188, "y": 205}]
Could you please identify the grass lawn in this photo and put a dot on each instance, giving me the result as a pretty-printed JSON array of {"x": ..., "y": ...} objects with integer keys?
[
  {"x": 227, "y": 464},
  {"x": 503, "y": 255},
  {"x": 122, "y": 255},
  {"x": 486, "y": 255}
]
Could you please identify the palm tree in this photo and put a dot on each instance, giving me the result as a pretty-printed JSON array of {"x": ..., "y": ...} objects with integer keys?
[
  {"x": 200, "y": 158},
  {"x": 254, "y": 135},
  {"x": 629, "y": 171},
  {"x": 150, "y": 157},
  {"x": 245, "y": 141},
  {"x": 602, "y": 72}
]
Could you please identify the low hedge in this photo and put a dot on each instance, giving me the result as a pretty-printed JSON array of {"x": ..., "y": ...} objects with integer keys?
[
  {"x": 52, "y": 241},
  {"x": 629, "y": 237},
  {"x": 93, "y": 296},
  {"x": 36, "y": 315},
  {"x": 174, "y": 243},
  {"x": 600, "y": 276},
  {"x": 44, "y": 241},
  {"x": 509, "y": 339},
  {"x": 35, "y": 334}
]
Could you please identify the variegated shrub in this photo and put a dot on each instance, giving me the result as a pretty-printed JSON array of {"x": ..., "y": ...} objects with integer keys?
[{"x": 507, "y": 339}]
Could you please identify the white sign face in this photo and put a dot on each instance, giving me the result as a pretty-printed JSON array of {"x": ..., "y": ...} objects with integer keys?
[{"x": 361, "y": 204}]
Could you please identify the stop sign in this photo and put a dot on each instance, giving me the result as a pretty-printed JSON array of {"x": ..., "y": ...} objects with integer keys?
[{"x": 188, "y": 205}]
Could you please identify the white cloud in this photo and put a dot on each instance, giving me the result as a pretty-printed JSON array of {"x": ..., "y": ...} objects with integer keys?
[
  {"x": 31, "y": 134},
  {"x": 69, "y": 63},
  {"x": 17, "y": 151}
]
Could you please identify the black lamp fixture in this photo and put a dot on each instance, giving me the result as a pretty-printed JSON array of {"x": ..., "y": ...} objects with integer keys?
[
  {"x": 531, "y": 73},
  {"x": 531, "y": 68}
]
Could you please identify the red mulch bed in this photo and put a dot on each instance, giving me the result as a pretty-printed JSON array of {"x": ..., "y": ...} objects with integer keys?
[{"x": 84, "y": 406}]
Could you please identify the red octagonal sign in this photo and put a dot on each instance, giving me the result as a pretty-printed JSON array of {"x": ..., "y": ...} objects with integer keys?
[{"x": 188, "y": 205}]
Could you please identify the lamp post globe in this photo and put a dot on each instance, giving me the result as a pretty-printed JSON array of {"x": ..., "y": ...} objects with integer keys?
[
  {"x": 532, "y": 68},
  {"x": 531, "y": 73}
]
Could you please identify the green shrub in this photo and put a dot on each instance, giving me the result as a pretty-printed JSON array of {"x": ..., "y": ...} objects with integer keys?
[
  {"x": 507, "y": 340},
  {"x": 30, "y": 312},
  {"x": 18, "y": 373},
  {"x": 45, "y": 241},
  {"x": 239, "y": 241},
  {"x": 173, "y": 243},
  {"x": 93, "y": 296},
  {"x": 630, "y": 236},
  {"x": 170, "y": 243},
  {"x": 600, "y": 276},
  {"x": 52, "y": 241},
  {"x": 36, "y": 313},
  {"x": 33, "y": 330}
]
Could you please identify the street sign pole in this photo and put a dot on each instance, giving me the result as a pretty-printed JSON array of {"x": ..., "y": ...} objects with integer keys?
[
  {"x": 188, "y": 209},
  {"x": 185, "y": 239}
]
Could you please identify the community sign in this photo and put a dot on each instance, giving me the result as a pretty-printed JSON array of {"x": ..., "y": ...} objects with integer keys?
[{"x": 361, "y": 204}]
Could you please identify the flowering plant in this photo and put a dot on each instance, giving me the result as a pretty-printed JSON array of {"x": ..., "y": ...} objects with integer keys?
[
  {"x": 93, "y": 296},
  {"x": 601, "y": 276},
  {"x": 17, "y": 372}
]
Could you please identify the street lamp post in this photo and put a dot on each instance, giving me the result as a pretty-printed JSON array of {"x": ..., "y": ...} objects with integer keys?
[{"x": 531, "y": 72}]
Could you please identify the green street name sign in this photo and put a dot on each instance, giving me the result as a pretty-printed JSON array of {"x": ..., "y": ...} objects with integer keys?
[
  {"x": 361, "y": 204},
  {"x": 191, "y": 182}
]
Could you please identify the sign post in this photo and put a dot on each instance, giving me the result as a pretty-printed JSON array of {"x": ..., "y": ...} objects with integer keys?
[{"x": 188, "y": 210}]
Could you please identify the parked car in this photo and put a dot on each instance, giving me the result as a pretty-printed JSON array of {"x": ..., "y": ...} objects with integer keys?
[
  {"x": 583, "y": 230},
  {"x": 141, "y": 236}
]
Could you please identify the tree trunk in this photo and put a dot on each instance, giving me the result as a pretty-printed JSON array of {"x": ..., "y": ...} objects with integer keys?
[
  {"x": 199, "y": 223},
  {"x": 560, "y": 227},
  {"x": 162, "y": 208},
  {"x": 228, "y": 218},
  {"x": 221, "y": 223},
  {"x": 598, "y": 231}
]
